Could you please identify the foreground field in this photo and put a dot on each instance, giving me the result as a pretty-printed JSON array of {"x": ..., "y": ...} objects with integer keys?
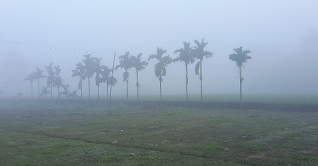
[{"x": 87, "y": 133}]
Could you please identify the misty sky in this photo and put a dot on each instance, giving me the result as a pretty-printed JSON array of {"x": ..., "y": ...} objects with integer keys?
[{"x": 282, "y": 36}]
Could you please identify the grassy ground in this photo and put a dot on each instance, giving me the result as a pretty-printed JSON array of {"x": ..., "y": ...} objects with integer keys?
[{"x": 73, "y": 133}]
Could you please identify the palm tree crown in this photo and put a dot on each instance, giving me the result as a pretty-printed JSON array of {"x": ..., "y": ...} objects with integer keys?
[
  {"x": 125, "y": 62},
  {"x": 240, "y": 56}
]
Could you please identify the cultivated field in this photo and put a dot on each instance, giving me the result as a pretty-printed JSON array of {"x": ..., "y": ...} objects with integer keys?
[{"x": 75, "y": 132}]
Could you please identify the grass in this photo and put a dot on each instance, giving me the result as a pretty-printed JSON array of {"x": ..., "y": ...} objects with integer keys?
[{"x": 74, "y": 133}]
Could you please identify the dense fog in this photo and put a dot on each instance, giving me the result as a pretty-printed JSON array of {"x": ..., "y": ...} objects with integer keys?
[{"x": 281, "y": 35}]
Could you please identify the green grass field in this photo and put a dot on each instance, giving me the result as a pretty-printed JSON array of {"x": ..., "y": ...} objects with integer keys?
[{"x": 73, "y": 133}]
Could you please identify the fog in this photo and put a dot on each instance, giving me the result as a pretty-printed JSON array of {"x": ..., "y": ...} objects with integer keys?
[{"x": 282, "y": 36}]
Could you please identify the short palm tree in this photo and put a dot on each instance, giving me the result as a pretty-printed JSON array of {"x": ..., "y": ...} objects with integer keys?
[
  {"x": 105, "y": 75},
  {"x": 125, "y": 62},
  {"x": 160, "y": 67},
  {"x": 200, "y": 54},
  {"x": 51, "y": 76},
  {"x": 31, "y": 78},
  {"x": 44, "y": 91},
  {"x": 240, "y": 56},
  {"x": 57, "y": 79},
  {"x": 66, "y": 91},
  {"x": 139, "y": 65},
  {"x": 79, "y": 71},
  {"x": 186, "y": 56},
  {"x": 98, "y": 71},
  {"x": 38, "y": 75}
]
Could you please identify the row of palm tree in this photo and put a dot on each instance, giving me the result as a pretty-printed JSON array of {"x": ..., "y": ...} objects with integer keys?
[{"x": 92, "y": 65}]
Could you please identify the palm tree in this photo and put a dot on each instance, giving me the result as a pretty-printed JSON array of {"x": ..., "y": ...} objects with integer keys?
[
  {"x": 105, "y": 75},
  {"x": 139, "y": 65},
  {"x": 38, "y": 75},
  {"x": 66, "y": 91},
  {"x": 160, "y": 67},
  {"x": 200, "y": 53},
  {"x": 240, "y": 56},
  {"x": 44, "y": 91},
  {"x": 89, "y": 70},
  {"x": 98, "y": 71},
  {"x": 30, "y": 78},
  {"x": 79, "y": 71},
  {"x": 57, "y": 79},
  {"x": 125, "y": 62},
  {"x": 51, "y": 76},
  {"x": 186, "y": 56}
]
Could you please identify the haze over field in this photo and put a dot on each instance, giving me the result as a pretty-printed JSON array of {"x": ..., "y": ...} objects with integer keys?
[{"x": 282, "y": 36}]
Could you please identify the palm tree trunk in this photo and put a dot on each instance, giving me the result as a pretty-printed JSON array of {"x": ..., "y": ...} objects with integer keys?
[
  {"x": 160, "y": 90},
  {"x": 58, "y": 92},
  {"x": 127, "y": 88},
  {"x": 201, "y": 81},
  {"x": 98, "y": 91},
  {"x": 51, "y": 91},
  {"x": 241, "y": 80},
  {"x": 89, "y": 88},
  {"x": 107, "y": 91},
  {"x": 38, "y": 88},
  {"x": 137, "y": 84},
  {"x": 32, "y": 89},
  {"x": 187, "y": 82}
]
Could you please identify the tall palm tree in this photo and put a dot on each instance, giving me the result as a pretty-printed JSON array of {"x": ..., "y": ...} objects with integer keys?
[
  {"x": 89, "y": 64},
  {"x": 98, "y": 71},
  {"x": 57, "y": 79},
  {"x": 38, "y": 75},
  {"x": 160, "y": 67},
  {"x": 139, "y": 65},
  {"x": 186, "y": 56},
  {"x": 51, "y": 76},
  {"x": 79, "y": 71},
  {"x": 240, "y": 56},
  {"x": 125, "y": 62},
  {"x": 31, "y": 78},
  {"x": 200, "y": 54}
]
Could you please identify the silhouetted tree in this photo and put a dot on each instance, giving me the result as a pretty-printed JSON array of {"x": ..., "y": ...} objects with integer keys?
[
  {"x": 98, "y": 71},
  {"x": 44, "y": 91},
  {"x": 79, "y": 71},
  {"x": 57, "y": 79},
  {"x": 19, "y": 95},
  {"x": 105, "y": 75},
  {"x": 160, "y": 67},
  {"x": 186, "y": 56},
  {"x": 125, "y": 62},
  {"x": 139, "y": 65},
  {"x": 31, "y": 78},
  {"x": 66, "y": 91},
  {"x": 51, "y": 76},
  {"x": 240, "y": 56},
  {"x": 38, "y": 75},
  {"x": 200, "y": 54},
  {"x": 89, "y": 66}
]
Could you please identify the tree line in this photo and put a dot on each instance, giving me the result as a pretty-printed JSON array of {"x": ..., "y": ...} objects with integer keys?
[{"x": 90, "y": 66}]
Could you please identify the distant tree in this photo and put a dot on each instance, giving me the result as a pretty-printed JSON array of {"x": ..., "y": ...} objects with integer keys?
[
  {"x": 73, "y": 94},
  {"x": 89, "y": 65},
  {"x": 186, "y": 56},
  {"x": 57, "y": 79},
  {"x": 44, "y": 91},
  {"x": 200, "y": 54},
  {"x": 125, "y": 62},
  {"x": 240, "y": 56},
  {"x": 160, "y": 67},
  {"x": 105, "y": 75},
  {"x": 98, "y": 71},
  {"x": 51, "y": 76},
  {"x": 19, "y": 95},
  {"x": 139, "y": 65},
  {"x": 66, "y": 91},
  {"x": 79, "y": 71},
  {"x": 38, "y": 75},
  {"x": 1, "y": 91},
  {"x": 31, "y": 78}
]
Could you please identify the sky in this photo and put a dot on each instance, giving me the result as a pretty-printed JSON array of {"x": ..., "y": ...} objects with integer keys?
[{"x": 281, "y": 35}]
